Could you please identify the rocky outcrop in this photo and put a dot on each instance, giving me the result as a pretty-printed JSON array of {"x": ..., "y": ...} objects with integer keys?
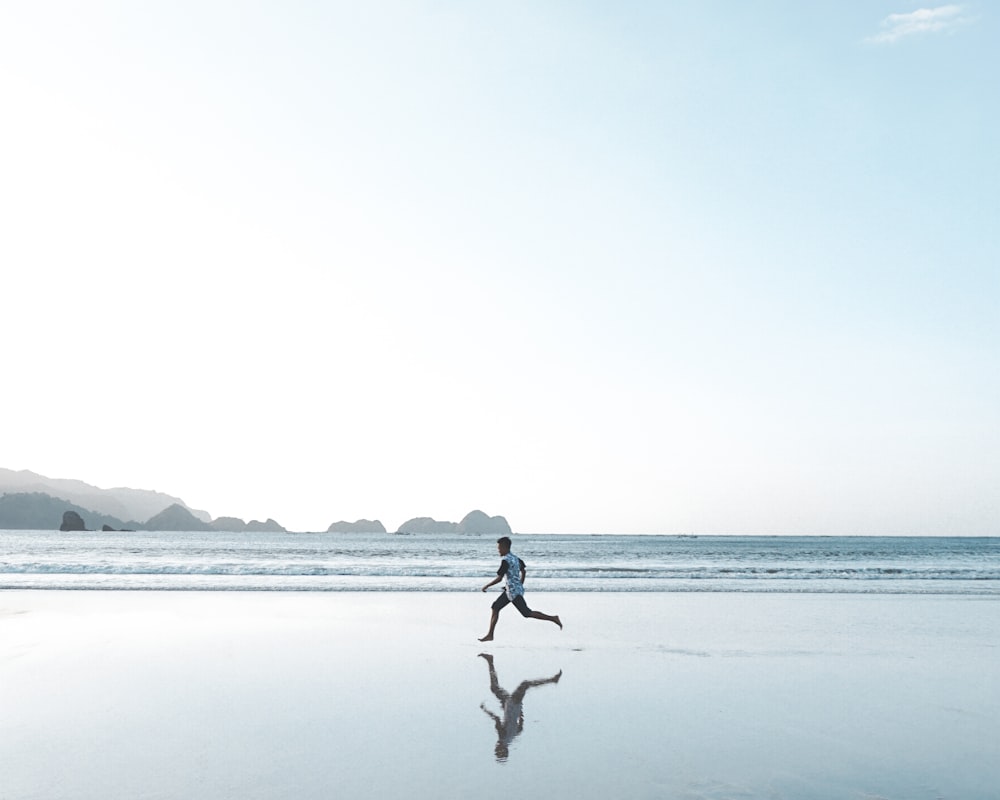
[
  {"x": 72, "y": 521},
  {"x": 361, "y": 526}
]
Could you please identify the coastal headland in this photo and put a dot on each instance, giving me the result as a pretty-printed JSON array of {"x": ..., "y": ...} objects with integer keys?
[{"x": 29, "y": 501}]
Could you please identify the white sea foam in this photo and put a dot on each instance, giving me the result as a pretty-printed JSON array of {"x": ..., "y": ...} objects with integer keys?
[{"x": 452, "y": 562}]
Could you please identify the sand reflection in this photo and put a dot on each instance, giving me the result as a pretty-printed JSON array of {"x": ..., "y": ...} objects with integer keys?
[{"x": 510, "y": 722}]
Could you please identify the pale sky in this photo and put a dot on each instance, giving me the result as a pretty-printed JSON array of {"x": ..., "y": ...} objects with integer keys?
[{"x": 598, "y": 267}]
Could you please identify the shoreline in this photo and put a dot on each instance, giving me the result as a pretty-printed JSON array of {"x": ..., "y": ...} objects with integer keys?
[
  {"x": 373, "y": 694},
  {"x": 961, "y": 589}
]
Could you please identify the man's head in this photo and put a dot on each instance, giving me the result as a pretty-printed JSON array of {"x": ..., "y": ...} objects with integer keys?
[{"x": 503, "y": 545}]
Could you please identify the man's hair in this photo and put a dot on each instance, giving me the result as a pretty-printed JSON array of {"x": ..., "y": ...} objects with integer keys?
[{"x": 505, "y": 541}]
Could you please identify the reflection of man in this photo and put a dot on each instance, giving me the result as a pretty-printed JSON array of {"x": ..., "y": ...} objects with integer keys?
[
  {"x": 512, "y": 722},
  {"x": 512, "y": 570}
]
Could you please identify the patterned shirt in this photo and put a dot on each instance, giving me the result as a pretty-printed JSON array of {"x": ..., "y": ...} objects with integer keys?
[{"x": 510, "y": 568}]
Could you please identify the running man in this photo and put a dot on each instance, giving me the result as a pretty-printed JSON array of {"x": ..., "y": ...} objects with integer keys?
[{"x": 512, "y": 570}]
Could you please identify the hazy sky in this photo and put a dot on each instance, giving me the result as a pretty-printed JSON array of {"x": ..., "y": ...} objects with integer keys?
[{"x": 707, "y": 267}]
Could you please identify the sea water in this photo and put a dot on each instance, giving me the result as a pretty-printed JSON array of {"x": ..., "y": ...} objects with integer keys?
[{"x": 461, "y": 562}]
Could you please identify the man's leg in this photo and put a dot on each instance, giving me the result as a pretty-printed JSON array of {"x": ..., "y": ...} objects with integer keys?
[
  {"x": 494, "y": 616},
  {"x": 547, "y": 618},
  {"x": 522, "y": 606},
  {"x": 499, "y": 603}
]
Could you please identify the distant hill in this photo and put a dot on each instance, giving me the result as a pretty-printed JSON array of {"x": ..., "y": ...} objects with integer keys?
[
  {"x": 229, "y": 524},
  {"x": 175, "y": 518},
  {"x": 35, "y": 511},
  {"x": 32, "y": 501},
  {"x": 121, "y": 503},
  {"x": 269, "y": 525},
  {"x": 478, "y": 522},
  {"x": 40, "y": 511},
  {"x": 427, "y": 525},
  {"x": 361, "y": 526},
  {"x": 473, "y": 522}
]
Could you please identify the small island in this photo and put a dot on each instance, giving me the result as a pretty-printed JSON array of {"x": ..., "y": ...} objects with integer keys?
[
  {"x": 360, "y": 526},
  {"x": 473, "y": 522}
]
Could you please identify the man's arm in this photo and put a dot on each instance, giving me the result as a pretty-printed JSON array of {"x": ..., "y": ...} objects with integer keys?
[{"x": 500, "y": 573}]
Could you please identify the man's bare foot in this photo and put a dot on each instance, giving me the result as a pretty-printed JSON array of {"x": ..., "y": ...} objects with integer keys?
[
  {"x": 559, "y": 623},
  {"x": 488, "y": 638}
]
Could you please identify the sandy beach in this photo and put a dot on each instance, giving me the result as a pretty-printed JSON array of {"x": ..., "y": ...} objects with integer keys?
[{"x": 310, "y": 695}]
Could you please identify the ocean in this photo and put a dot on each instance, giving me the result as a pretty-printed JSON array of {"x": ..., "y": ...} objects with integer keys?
[{"x": 332, "y": 562}]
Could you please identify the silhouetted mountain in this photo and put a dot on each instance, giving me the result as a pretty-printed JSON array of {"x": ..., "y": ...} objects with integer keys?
[
  {"x": 478, "y": 522},
  {"x": 175, "y": 518},
  {"x": 427, "y": 525},
  {"x": 361, "y": 526},
  {"x": 236, "y": 525},
  {"x": 269, "y": 526},
  {"x": 121, "y": 503},
  {"x": 38, "y": 511},
  {"x": 231, "y": 524},
  {"x": 473, "y": 522},
  {"x": 29, "y": 501}
]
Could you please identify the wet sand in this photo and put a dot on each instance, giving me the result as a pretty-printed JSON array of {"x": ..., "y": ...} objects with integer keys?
[{"x": 358, "y": 695}]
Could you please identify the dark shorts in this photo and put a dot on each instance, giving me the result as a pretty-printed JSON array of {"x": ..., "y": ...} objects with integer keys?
[{"x": 518, "y": 602}]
